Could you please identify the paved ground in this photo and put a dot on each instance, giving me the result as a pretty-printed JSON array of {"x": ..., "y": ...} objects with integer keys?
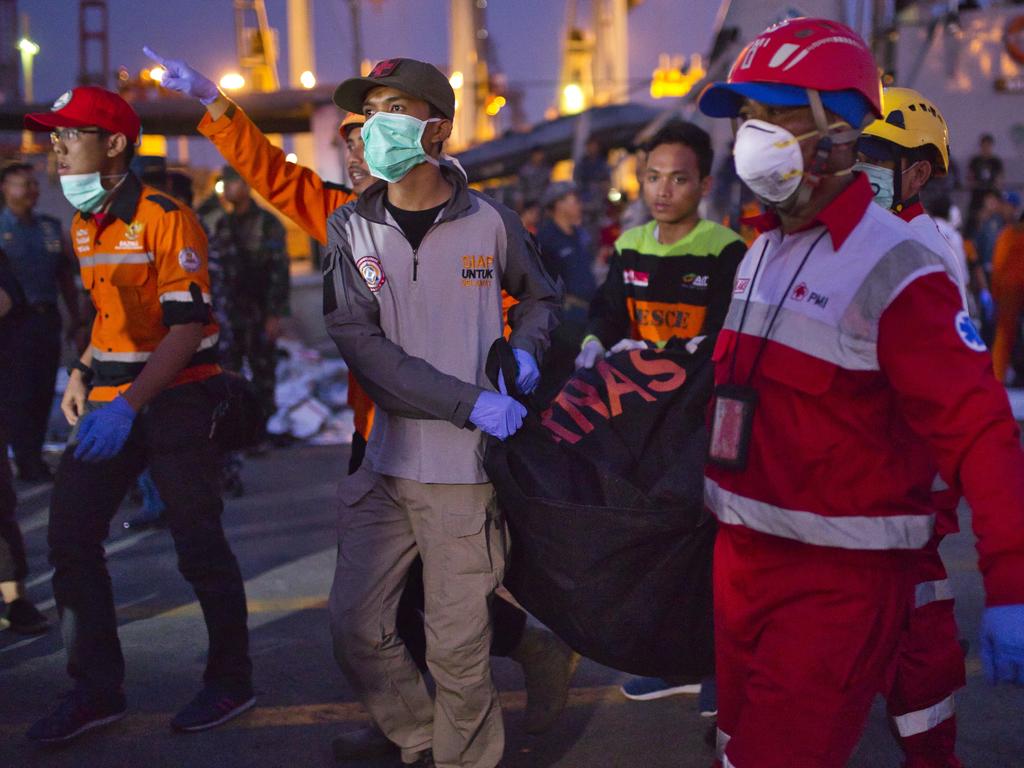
[{"x": 283, "y": 534}]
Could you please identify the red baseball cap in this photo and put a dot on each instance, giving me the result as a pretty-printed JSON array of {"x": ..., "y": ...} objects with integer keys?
[{"x": 85, "y": 106}]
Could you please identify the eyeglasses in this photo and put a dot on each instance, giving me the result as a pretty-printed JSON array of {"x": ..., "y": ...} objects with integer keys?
[{"x": 70, "y": 135}]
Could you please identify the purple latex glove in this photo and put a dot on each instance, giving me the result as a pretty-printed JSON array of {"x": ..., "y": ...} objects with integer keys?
[
  {"x": 497, "y": 415},
  {"x": 180, "y": 77},
  {"x": 527, "y": 373},
  {"x": 104, "y": 431}
]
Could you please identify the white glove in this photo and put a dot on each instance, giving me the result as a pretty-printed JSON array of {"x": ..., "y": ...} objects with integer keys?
[
  {"x": 628, "y": 345},
  {"x": 592, "y": 351}
]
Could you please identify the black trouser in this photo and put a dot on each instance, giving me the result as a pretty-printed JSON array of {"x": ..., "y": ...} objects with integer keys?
[
  {"x": 34, "y": 370},
  {"x": 170, "y": 436},
  {"x": 13, "y": 565},
  {"x": 251, "y": 344},
  {"x": 509, "y": 620}
]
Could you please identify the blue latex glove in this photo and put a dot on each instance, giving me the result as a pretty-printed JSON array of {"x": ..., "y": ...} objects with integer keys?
[
  {"x": 988, "y": 305},
  {"x": 104, "y": 431},
  {"x": 180, "y": 77},
  {"x": 497, "y": 415},
  {"x": 527, "y": 376},
  {"x": 1002, "y": 644}
]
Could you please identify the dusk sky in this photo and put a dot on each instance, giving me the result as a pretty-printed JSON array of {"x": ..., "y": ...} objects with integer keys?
[{"x": 526, "y": 32}]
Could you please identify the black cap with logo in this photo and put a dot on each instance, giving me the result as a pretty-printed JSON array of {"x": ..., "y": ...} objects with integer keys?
[{"x": 416, "y": 78}]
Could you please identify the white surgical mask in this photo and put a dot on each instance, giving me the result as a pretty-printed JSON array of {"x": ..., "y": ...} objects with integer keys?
[
  {"x": 392, "y": 144},
  {"x": 84, "y": 191},
  {"x": 769, "y": 159},
  {"x": 882, "y": 180}
]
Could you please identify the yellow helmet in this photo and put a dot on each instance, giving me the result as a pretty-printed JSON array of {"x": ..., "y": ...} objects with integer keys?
[{"x": 912, "y": 121}]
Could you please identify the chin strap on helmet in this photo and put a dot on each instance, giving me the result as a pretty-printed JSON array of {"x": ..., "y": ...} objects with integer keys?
[{"x": 829, "y": 138}]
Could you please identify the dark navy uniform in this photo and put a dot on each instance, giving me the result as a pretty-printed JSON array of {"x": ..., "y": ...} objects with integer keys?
[
  {"x": 13, "y": 566},
  {"x": 37, "y": 255}
]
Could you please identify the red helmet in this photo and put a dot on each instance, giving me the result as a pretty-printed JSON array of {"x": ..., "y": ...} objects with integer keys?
[{"x": 803, "y": 53}]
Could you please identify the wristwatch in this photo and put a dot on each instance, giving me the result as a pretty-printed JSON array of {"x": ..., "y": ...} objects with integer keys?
[{"x": 86, "y": 371}]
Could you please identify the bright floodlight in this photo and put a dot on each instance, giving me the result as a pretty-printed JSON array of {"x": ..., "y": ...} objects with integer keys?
[
  {"x": 573, "y": 99},
  {"x": 232, "y": 81},
  {"x": 27, "y": 46},
  {"x": 307, "y": 79}
]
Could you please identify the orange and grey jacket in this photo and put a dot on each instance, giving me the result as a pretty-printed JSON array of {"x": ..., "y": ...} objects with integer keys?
[
  {"x": 296, "y": 191},
  {"x": 416, "y": 326},
  {"x": 144, "y": 265},
  {"x": 657, "y": 292}
]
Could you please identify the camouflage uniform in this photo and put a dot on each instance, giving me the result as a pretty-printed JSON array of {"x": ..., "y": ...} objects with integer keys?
[{"x": 254, "y": 272}]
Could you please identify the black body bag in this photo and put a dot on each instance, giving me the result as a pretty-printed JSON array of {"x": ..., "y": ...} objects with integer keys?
[{"x": 602, "y": 489}]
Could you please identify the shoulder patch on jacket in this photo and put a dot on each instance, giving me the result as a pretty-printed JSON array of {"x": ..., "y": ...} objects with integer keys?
[{"x": 164, "y": 202}]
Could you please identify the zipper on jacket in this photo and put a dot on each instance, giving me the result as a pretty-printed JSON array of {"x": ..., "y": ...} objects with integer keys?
[{"x": 416, "y": 251}]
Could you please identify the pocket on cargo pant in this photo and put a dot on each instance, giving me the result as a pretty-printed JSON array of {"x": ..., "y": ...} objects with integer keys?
[{"x": 479, "y": 541}]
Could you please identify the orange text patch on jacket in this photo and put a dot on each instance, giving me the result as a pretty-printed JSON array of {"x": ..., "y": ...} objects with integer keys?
[{"x": 144, "y": 265}]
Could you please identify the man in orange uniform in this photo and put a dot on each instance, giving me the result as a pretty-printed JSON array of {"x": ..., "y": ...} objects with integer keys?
[
  {"x": 143, "y": 259},
  {"x": 1008, "y": 291}
]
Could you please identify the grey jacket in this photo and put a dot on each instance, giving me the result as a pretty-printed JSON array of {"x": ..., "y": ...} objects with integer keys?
[{"x": 415, "y": 327}]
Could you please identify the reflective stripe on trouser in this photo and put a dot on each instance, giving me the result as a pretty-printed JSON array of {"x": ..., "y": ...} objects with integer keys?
[
  {"x": 805, "y": 638},
  {"x": 850, "y": 532},
  {"x": 925, "y": 719},
  {"x": 383, "y": 523},
  {"x": 930, "y": 669}
]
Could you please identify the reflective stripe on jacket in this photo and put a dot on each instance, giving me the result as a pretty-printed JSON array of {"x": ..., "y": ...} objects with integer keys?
[
  {"x": 145, "y": 269},
  {"x": 871, "y": 379}
]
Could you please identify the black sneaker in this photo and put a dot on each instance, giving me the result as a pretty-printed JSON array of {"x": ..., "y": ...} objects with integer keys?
[
  {"x": 211, "y": 707},
  {"x": 77, "y": 713},
  {"x": 25, "y": 618}
]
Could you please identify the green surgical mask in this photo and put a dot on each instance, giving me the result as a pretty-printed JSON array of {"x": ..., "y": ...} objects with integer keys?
[
  {"x": 84, "y": 191},
  {"x": 392, "y": 144},
  {"x": 882, "y": 182}
]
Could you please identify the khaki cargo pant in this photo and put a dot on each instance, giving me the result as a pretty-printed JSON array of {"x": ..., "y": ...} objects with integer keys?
[{"x": 383, "y": 523}]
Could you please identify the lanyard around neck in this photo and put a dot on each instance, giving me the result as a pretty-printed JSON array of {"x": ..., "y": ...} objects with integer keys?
[{"x": 775, "y": 314}]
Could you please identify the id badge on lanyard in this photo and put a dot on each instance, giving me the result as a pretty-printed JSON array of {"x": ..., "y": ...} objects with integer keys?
[
  {"x": 732, "y": 422},
  {"x": 732, "y": 419}
]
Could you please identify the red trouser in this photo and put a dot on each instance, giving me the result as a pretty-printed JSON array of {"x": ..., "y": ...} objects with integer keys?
[
  {"x": 930, "y": 671},
  {"x": 805, "y": 638}
]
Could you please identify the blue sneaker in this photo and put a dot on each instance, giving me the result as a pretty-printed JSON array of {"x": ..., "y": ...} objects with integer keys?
[
  {"x": 212, "y": 706},
  {"x": 78, "y": 712},
  {"x": 651, "y": 688}
]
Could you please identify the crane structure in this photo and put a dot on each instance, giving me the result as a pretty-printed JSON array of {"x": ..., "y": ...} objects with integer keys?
[
  {"x": 469, "y": 71},
  {"x": 256, "y": 45},
  {"x": 93, "y": 43},
  {"x": 595, "y": 61}
]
